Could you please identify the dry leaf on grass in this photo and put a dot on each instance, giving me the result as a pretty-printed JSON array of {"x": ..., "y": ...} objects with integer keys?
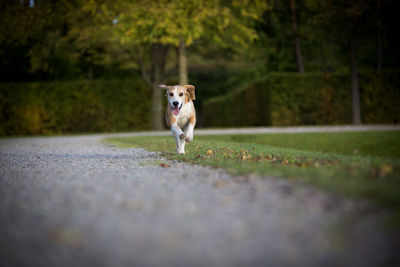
[{"x": 165, "y": 165}]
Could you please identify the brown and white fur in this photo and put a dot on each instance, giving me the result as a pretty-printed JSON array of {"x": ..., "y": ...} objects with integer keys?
[{"x": 180, "y": 115}]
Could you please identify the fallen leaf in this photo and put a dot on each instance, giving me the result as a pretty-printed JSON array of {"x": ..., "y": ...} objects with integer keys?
[
  {"x": 165, "y": 165},
  {"x": 65, "y": 237},
  {"x": 220, "y": 184}
]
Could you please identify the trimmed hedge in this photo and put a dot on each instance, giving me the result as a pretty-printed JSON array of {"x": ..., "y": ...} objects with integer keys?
[
  {"x": 76, "y": 106},
  {"x": 310, "y": 99},
  {"x": 124, "y": 105}
]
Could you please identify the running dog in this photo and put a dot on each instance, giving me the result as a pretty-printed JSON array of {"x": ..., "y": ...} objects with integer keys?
[{"x": 180, "y": 115}]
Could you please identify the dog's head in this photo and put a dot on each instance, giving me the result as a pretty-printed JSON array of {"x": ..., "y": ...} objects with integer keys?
[{"x": 178, "y": 95}]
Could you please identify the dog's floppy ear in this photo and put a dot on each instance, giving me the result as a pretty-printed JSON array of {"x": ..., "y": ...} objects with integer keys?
[
  {"x": 163, "y": 86},
  {"x": 190, "y": 89}
]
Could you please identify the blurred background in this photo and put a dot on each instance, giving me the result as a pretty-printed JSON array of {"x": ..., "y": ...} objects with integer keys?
[{"x": 72, "y": 66}]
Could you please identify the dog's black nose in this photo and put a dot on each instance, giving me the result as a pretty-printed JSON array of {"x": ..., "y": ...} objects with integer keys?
[{"x": 175, "y": 103}]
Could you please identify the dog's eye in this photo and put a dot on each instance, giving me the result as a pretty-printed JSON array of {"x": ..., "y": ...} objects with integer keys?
[
  {"x": 171, "y": 94},
  {"x": 181, "y": 94}
]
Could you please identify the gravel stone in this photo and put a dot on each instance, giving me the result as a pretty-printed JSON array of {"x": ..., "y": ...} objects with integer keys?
[{"x": 74, "y": 201}]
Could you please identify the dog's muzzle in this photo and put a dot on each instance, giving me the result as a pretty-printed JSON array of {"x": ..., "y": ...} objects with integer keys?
[{"x": 175, "y": 108}]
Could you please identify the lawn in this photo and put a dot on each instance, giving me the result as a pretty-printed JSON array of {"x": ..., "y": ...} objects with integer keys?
[{"x": 357, "y": 164}]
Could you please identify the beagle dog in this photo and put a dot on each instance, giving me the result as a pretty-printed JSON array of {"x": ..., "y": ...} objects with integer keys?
[{"x": 180, "y": 115}]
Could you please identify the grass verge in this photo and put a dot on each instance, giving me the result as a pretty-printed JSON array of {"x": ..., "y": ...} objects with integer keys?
[{"x": 357, "y": 164}]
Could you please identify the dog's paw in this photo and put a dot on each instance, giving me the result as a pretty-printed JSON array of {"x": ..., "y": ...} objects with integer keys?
[
  {"x": 189, "y": 138},
  {"x": 182, "y": 136},
  {"x": 180, "y": 152}
]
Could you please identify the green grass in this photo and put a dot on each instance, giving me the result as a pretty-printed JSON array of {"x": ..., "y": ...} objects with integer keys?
[
  {"x": 357, "y": 164},
  {"x": 381, "y": 144}
]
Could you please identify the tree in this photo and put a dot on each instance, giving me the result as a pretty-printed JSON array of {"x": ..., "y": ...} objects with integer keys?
[
  {"x": 355, "y": 90},
  {"x": 280, "y": 35},
  {"x": 24, "y": 29},
  {"x": 299, "y": 56},
  {"x": 95, "y": 32},
  {"x": 342, "y": 14},
  {"x": 226, "y": 25},
  {"x": 378, "y": 35},
  {"x": 150, "y": 28},
  {"x": 353, "y": 11}
]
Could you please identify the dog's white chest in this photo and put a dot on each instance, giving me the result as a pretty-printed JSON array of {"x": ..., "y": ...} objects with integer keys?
[{"x": 184, "y": 115}]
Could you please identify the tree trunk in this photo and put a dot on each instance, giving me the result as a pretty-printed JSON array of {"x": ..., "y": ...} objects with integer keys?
[
  {"x": 379, "y": 51},
  {"x": 90, "y": 71},
  {"x": 379, "y": 37},
  {"x": 154, "y": 76},
  {"x": 355, "y": 90},
  {"x": 183, "y": 75},
  {"x": 156, "y": 108},
  {"x": 159, "y": 53},
  {"x": 299, "y": 56}
]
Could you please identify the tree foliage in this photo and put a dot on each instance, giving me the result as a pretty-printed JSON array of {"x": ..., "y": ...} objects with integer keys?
[
  {"x": 78, "y": 39},
  {"x": 62, "y": 39},
  {"x": 151, "y": 27}
]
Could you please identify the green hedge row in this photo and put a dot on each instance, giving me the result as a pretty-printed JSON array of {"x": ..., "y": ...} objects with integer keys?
[
  {"x": 124, "y": 105},
  {"x": 79, "y": 106},
  {"x": 293, "y": 99}
]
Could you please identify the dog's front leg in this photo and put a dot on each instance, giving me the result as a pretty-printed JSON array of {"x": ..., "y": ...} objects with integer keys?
[
  {"x": 189, "y": 132},
  {"x": 180, "y": 145},
  {"x": 179, "y": 138}
]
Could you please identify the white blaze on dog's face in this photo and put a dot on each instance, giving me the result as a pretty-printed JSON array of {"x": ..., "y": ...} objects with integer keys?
[
  {"x": 176, "y": 98},
  {"x": 179, "y": 95}
]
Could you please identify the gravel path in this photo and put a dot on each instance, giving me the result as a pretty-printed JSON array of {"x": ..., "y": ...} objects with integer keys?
[{"x": 73, "y": 201}]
